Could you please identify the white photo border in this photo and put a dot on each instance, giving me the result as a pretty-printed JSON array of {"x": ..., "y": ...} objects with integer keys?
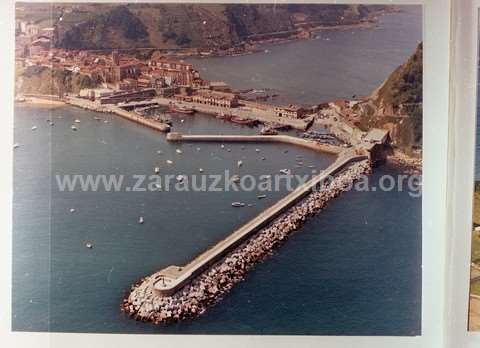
[
  {"x": 464, "y": 72},
  {"x": 436, "y": 26}
]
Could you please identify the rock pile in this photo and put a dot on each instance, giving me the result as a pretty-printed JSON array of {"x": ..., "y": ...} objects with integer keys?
[{"x": 208, "y": 288}]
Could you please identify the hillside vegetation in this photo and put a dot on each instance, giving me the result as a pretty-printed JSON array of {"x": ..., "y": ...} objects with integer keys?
[
  {"x": 397, "y": 104},
  {"x": 98, "y": 26},
  {"x": 42, "y": 80}
]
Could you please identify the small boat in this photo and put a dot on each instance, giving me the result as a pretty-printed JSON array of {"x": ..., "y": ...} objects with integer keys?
[
  {"x": 74, "y": 128},
  {"x": 268, "y": 131},
  {"x": 178, "y": 151},
  {"x": 243, "y": 121},
  {"x": 238, "y": 204},
  {"x": 140, "y": 220},
  {"x": 261, "y": 196},
  {"x": 222, "y": 146},
  {"x": 200, "y": 170},
  {"x": 89, "y": 245},
  {"x": 105, "y": 121},
  {"x": 34, "y": 128},
  {"x": 72, "y": 210},
  {"x": 159, "y": 152},
  {"x": 157, "y": 170},
  {"x": 263, "y": 158},
  {"x": 181, "y": 109},
  {"x": 158, "y": 186},
  {"x": 198, "y": 149},
  {"x": 229, "y": 150},
  {"x": 235, "y": 178},
  {"x": 182, "y": 120},
  {"x": 180, "y": 178},
  {"x": 285, "y": 171},
  {"x": 239, "y": 163},
  {"x": 52, "y": 124},
  {"x": 257, "y": 150},
  {"x": 16, "y": 145},
  {"x": 169, "y": 162},
  {"x": 77, "y": 121},
  {"x": 97, "y": 118}
]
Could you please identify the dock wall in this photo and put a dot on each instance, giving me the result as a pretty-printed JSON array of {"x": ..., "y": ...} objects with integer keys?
[{"x": 286, "y": 139}]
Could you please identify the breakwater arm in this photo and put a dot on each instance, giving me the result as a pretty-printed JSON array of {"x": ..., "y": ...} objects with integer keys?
[
  {"x": 286, "y": 139},
  {"x": 177, "y": 293}
]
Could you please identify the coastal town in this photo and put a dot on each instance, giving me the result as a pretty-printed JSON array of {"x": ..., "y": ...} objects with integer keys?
[
  {"x": 136, "y": 89},
  {"x": 155, "y": 87}
]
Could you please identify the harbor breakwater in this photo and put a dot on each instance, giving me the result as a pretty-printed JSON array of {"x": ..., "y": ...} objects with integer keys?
[{"x": 143, "y": 303}]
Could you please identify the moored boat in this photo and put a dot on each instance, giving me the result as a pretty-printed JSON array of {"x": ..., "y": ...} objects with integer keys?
[
  {"x": 181, "y": 109},
  {"x": 238, "y": 204}
]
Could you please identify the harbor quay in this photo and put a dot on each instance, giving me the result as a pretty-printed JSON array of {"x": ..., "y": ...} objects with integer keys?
[
  {"x": 263, "y": 115},
  {"x": 286, "y": 139},
  {"x": 178, "y": 293}
]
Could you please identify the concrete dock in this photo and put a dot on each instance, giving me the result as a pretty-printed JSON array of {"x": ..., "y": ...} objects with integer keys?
[
  {"x": 286, "y": 139},
  {"x": 169, "y": 280}
]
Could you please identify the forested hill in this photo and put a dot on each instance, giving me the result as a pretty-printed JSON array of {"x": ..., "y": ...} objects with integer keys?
[{"x": 96, "y": 26}]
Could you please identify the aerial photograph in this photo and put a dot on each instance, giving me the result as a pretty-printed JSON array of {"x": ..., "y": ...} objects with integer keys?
[{"x": 209, "y": 168}]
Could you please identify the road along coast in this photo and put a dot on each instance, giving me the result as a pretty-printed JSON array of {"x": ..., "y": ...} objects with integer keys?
[{"x": 146, "y": 303}]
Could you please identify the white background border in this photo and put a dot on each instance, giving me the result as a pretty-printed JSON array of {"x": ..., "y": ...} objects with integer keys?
[
  {"x": 436, "y": 120},
  {"x": 463, "y": 96}
]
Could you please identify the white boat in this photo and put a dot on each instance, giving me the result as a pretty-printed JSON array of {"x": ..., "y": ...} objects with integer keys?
[
  {"x": 16, "y": 145},
  {"x": 180, "y": 178},
  {"x": 169, "y": 162},
  {"x": 77, "y": 121},
  {"x": 89, "y": 245},
  {"x": 72, "y": 210},
  {"x": 257, "y": 150},
  {"x": 239, "y": 163},
  {"x": 159, "y": 152},
  {"x": 179, "y": 151},
  {"x": 74, "y": 128},
  {"x": 235, "y": 178},
  {"x": 198, "y": 149},
  {"x": 261, "y": 196},
  {"x": 157, "y": 170},
  {"x": 140, "y": 220},
  {"x": 222, "y": 146},
  {"x": 238, "y": 204},
  {"x": 158, "y": 186},
  {"x": 34, "y": 128},
  {"x": 285, "y": 171},
  {"x": 200, "y": 170}
]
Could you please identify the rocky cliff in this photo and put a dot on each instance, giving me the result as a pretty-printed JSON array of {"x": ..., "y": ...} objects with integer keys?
[{"x": 397, "y": 104}]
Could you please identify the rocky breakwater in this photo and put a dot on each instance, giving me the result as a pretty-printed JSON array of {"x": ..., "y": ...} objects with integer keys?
[{"x": 209, "y": 287}]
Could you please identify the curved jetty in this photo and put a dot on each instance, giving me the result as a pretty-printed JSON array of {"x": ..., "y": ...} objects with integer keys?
[{"x": 177, "y": 293}]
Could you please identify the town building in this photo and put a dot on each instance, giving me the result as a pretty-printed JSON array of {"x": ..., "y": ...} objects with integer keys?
[
  {"x": 290, "y": 111},
  {"x": 214, "y": 98}
]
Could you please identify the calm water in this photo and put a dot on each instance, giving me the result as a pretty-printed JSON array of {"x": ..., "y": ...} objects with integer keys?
[
  {"x": 339, "y": 64},
  {"x": 352, "y": 270}
]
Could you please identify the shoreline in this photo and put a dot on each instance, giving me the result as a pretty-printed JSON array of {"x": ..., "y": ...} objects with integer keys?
[
  {"x": 412, "y": 165},
  {"x": 39, "y": 101}
]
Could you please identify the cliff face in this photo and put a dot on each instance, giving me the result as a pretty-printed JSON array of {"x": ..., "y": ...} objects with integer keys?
[
  {"x": 97, "y": 26},
  {"x": 397, "y": 104},
  {"x": 41, "y": 80}
]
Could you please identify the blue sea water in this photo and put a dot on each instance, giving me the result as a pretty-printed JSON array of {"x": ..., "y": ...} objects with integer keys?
[{"x": 354, "y": 269}]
